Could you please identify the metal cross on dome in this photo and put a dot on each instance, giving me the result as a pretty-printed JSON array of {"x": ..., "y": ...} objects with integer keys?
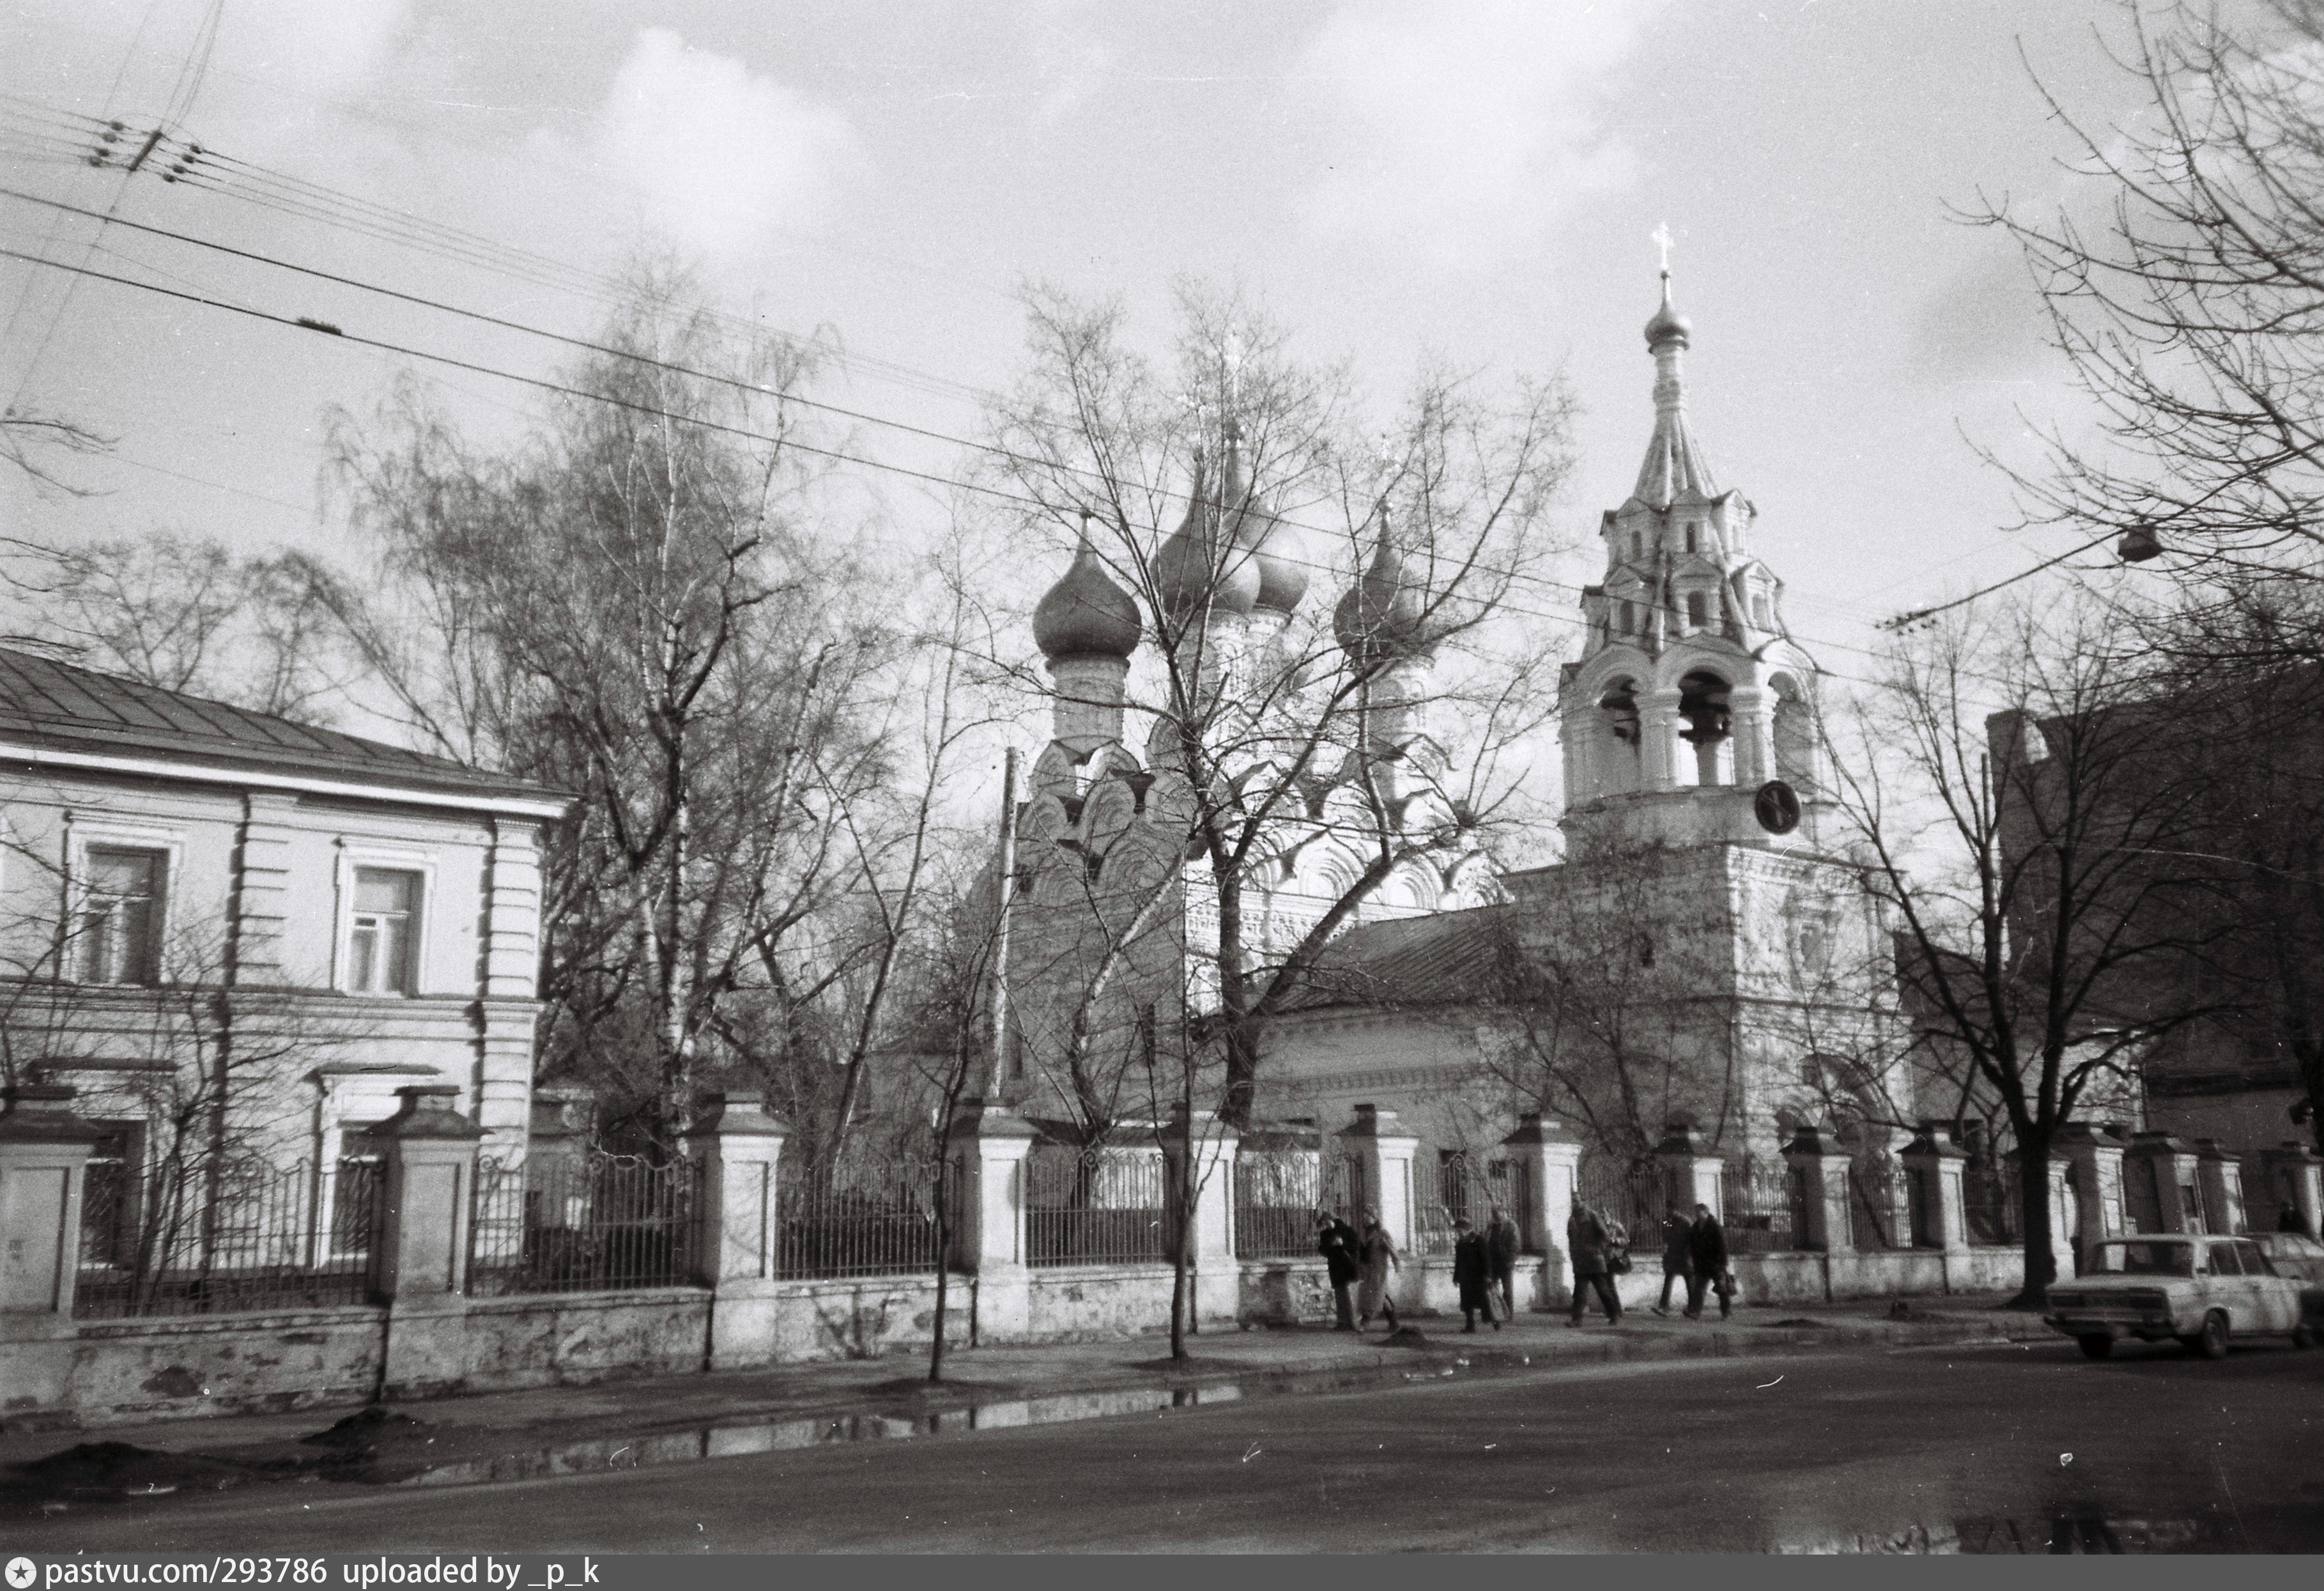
[{"x": 1662, "y": 239}]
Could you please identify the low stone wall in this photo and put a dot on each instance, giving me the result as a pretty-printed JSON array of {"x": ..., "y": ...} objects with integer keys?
[
  {"x": 188, "y": 1365},
  {"x": 1080, "y": 1303},
  {"x": 101, "y": 1371}
]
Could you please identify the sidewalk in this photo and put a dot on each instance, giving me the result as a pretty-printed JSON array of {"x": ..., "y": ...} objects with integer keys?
[{"x": 565, "y": 1427}]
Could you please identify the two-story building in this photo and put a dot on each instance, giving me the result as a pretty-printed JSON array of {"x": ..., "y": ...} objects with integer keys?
[{"x": 234, "y": 936}]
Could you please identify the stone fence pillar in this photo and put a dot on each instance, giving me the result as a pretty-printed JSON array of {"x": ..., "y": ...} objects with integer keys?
[
  {"x": 1217, "y": 1275},
  {"x": 1377, "y": 1141},
  {"x": 2096, "y": 1156},
  {"x": 2065, "y": 1257},
  {"x": 2165, "y": 1182},
  {"x": 1937, "y": 1165},
  {"x": 44, "y": 1151},
  {"x": 2222, "y": 1181},
  {"x": 1693, "y": 1173},
  {"x": 986, "y": 1160},
  {"x": 1821, "y": 1164},
  {"x": 420, "y": 1248},
  {"x": 1551, "y": 1156},
  {"x": 2295, "y": 1176},
  {"x": 737, "y": 1146}
]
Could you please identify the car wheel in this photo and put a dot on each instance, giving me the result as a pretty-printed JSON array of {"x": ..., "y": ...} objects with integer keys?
[
  {"x": 2211, "y": 1342},
  {"x": 2095, "y": 1347},
  {"x": 2303, "y": 1337}
]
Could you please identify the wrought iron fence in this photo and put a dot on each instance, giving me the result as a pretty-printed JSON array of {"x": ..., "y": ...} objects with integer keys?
[
  {"x": 578, "y": 1225},
  {"x": 1452, "y": 1187},
  {"x": 1277, "y": 1193},
  {"x": 182, "y": 1241},
  {"x": 1765, "y": 1207},
  {"x": 1096, "y": 1205},
  {"x": 1989, "y": 1203},
  {"x": 1880, "y": 1202},
  {"x": 867, "y": 1216},
  {"x": 1628, "y": 1193}
]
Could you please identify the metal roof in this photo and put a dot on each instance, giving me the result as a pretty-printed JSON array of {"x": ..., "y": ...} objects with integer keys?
[{"x": 62, "y": 705}]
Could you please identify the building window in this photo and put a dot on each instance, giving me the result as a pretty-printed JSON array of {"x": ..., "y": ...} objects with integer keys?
[
  {"x": 1766, "y": 615},
  {"x": 120, "y": 932},
  {"x": 1629, "y": 619},
  {"x": 1698, "y": 608},
  {"x": 380, "y": 940},
  {"x": 108, "y": 1200},
  {"x": 1690, "y": 538},
  {"x": 1638, "y": 544}
]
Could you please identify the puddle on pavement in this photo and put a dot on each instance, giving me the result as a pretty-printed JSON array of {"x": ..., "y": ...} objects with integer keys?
[{"x": 729, "y": 1441}]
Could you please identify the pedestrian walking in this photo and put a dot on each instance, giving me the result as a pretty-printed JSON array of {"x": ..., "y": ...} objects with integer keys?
[
  {"x": 1591, "y": 1246},
  {"x": 1502, "y": 1243},
  {"x": 1378, "y": 1257},
  {"x": 1706, "y": 1248},
  {"x": 1338, "y": 1243},
  {"x": 1472, "y": 1274},
  {"x": 1678, "y": 1255}
]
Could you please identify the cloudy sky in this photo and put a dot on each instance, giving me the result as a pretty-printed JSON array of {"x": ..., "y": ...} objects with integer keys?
[{"x": 1480, "y": 180}]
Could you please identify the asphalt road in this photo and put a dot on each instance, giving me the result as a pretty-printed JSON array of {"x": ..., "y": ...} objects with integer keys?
[{"x": 1985, "y": 1448}]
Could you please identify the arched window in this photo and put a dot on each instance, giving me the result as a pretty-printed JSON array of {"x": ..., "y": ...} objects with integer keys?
[
  {"x": 1617, "y": 738},
  {"x": 1702, "y": 704}
]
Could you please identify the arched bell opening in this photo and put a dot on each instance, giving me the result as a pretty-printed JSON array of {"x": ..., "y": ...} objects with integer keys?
[
  {"x": 1703, "y": 708},
  {"x": 1619, "y": 735}
]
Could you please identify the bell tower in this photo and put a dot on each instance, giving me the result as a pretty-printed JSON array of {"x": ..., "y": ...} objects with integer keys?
[{"x": 1690, "y": 698}]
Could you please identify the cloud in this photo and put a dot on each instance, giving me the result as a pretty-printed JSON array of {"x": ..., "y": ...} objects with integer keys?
[
  {"x": 1462, "y": 132},
  {"x": 720, "y": 157}
]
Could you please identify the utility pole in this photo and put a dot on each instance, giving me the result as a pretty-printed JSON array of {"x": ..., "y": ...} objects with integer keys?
[{"x": 998, "y": 1049}]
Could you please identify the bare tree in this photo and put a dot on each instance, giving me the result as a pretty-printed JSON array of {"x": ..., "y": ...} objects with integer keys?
[
  {"x": 1295, "y": 770},
  {"x": 2015, "y": 819},
  {"x": 2191, "y": 307},
  {"x": 34, "y": 442},
  {"x": 639, "y": 602},
  {"x": 186, "y": 614}
]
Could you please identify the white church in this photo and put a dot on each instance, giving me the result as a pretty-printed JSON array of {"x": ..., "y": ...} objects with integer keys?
[{"x": 1702, "y": 954}]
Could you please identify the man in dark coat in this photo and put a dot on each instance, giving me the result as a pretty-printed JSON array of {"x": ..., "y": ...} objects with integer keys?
[
  {"x": 1472, "y": 1273},
  {"x": 1336, "y": 1241},
  {"x": 1502, "y": 1242},
  {"x": 1707, "y": 1249},
  {"x": 1678, "y": 1256},
  {"x": 1588, "y": 1241}
]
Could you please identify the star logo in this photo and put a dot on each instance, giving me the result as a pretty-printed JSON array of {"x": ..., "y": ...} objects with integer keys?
[{"x": 21, "y": 1573}]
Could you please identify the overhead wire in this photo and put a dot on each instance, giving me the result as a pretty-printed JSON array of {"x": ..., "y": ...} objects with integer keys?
[
  {"x": 183, "y": 92},
  {"x": 949, "y": 482},
  {"x": 283, "y": 193},
  {"x": 673, "y": 367},
  {"x": 291, "y": 195}
]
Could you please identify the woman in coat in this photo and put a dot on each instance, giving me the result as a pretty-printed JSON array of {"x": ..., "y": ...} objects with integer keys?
[
  {"x": 1590, "y": 1244},
  {"x": 1379, "y": 1257},
  {"x": 1338, "y": 1243},
  {"x": 1472, "y": 1273}
]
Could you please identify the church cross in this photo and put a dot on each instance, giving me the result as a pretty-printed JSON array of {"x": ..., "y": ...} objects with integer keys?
[{"x": 1660, "y": 238}]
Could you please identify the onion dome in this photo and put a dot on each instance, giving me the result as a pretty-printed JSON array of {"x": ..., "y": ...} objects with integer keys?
[
  {"x": 1085, "y": 614},
  {"x": 1668, "y": 325},
  {"x": 1384, "y": 614},
  {"x": 1197, "y": 568},
  {"x": 1274, "y": 544}
]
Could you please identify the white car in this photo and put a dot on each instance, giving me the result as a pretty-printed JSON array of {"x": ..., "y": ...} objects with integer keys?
[
  {"x": 2196, "y": 1288},
  {"x": 2295, "y": 1255}
]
